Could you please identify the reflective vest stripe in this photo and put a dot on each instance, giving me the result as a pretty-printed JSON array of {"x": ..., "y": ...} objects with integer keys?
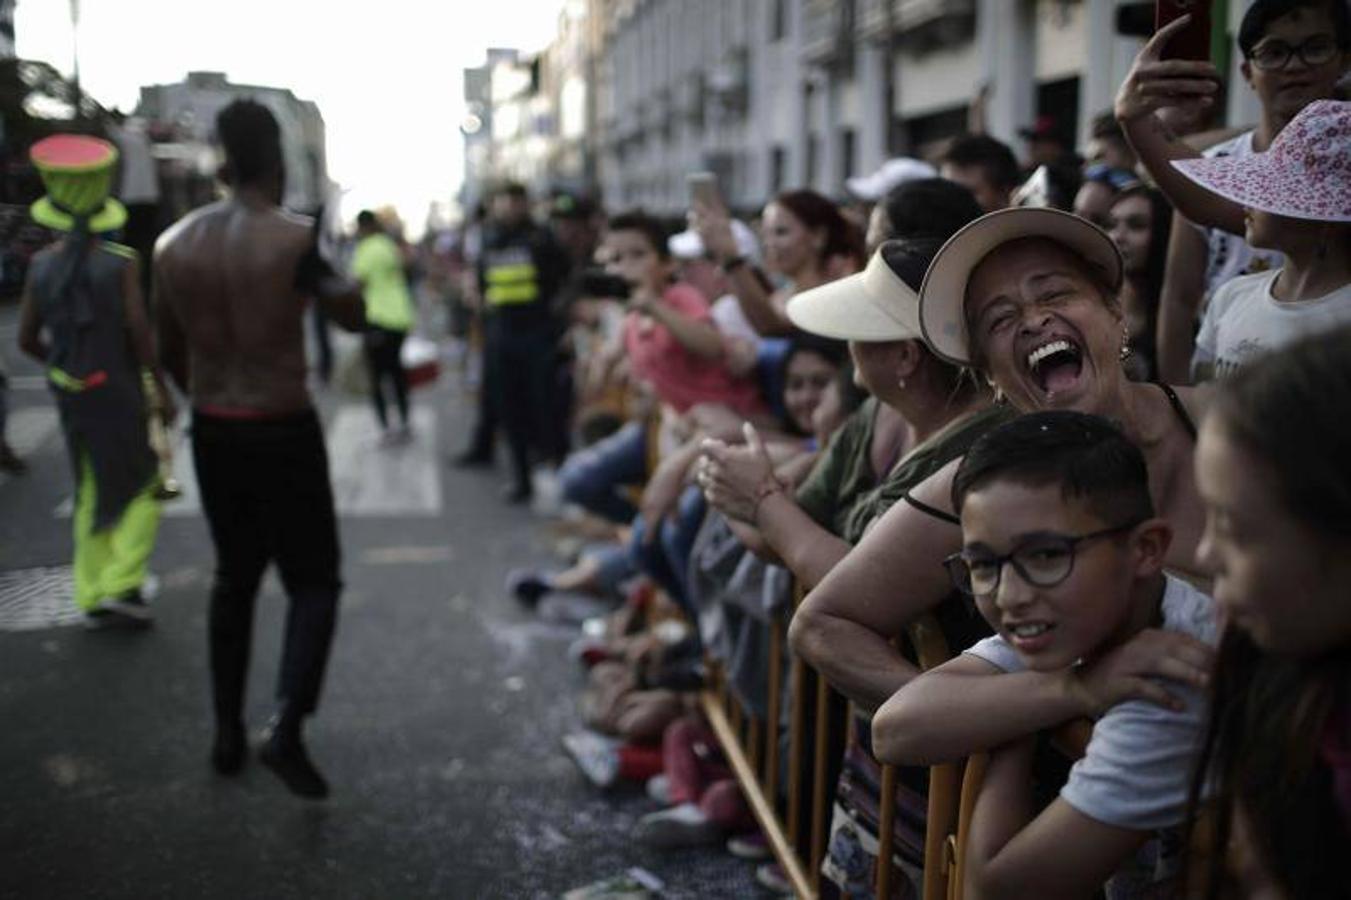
[{"x": 512, "y": 283}]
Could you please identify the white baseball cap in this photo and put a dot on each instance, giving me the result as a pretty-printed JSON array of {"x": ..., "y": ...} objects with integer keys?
[
  {"x": 892, "y": 173},
  {"x": 688, "y": 245}
]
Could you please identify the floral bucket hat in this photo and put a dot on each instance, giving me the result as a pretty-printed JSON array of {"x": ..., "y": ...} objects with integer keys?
[{"x": 1304, "y": 174}]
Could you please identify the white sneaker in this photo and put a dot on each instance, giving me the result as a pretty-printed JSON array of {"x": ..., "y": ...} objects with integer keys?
[
  {"x": 658, "y": 787},
  {"x": 595, "y": 755},
  {"x": 680, "y": 826}
]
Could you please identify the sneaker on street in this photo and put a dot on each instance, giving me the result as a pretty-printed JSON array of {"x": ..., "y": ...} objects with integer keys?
[
  {"x": 528, "y": 585},
  {"x": 130, "y": 605},
  {"x": 752, "y": 845},
  {"x": 680, "y": 826},
  {"x": 772, "y": 876},
  {"x": 658, "y": 787},
  {"x": 595, "y": 755}
]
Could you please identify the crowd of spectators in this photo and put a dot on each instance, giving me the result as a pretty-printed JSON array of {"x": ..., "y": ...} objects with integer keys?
[{"x": 1083, "y": 411}]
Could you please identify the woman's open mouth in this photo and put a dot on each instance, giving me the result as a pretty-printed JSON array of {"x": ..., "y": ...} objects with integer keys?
[{"x": 1055, "y": 366}]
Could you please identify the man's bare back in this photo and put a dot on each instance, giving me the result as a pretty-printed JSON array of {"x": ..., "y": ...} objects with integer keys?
[{"x": 231, "y": 310}]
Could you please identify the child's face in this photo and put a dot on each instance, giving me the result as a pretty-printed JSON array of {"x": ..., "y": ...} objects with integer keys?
[
  {"x": 631, "y": 256},
  {"x": 1089, "y": 611},
  {"x": 805, "y": 383},
  {"x": 1275, "y": 577}
]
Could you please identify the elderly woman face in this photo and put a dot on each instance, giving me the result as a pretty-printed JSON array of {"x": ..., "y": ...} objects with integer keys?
[{"x": 1048, "y": 335}]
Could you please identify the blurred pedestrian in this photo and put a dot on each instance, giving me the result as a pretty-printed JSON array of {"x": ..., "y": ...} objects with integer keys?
[
  {"x": 83, "y": 317},
  {"x": 377, "y": 263},
  {"x": 232, "y": 280}
]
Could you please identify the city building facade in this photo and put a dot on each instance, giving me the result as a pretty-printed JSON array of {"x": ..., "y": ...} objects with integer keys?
[
  {"x": 188, "y": 110},
  {"x": 772, "y": 94}
]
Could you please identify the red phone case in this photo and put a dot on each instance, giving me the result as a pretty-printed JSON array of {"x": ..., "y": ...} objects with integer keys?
[{"x": 1193, "y": 41}]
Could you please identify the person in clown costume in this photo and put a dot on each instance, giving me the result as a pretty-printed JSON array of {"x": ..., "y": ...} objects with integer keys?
[{"x": 84, "y": 319}]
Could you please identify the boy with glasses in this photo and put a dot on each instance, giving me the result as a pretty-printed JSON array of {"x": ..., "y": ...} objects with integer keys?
[{"x": 1063, "y": 555}]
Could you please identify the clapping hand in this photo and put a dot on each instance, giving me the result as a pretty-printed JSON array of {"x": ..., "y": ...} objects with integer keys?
[{"x": 736, "y": 479}]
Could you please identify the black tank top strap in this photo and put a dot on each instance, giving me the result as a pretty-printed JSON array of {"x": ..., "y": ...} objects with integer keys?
[
  {"x": 1176, "y": 402},
  {"x": 930, "y": 510}
]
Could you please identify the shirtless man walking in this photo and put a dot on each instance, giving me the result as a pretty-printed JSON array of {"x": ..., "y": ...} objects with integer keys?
[{"x": 231, "y": 285}]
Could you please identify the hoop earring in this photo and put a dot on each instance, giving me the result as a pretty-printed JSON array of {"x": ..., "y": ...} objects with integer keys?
[{"x": 1125, "y": 345}]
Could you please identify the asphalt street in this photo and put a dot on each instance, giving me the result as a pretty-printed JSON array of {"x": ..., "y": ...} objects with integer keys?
[{"x": 439, "y": 728}]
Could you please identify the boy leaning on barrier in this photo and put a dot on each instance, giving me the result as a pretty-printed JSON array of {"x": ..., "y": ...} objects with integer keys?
[{"x": 1063, "y": 554}]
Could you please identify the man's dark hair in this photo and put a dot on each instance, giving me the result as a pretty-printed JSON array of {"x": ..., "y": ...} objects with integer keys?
[
  {"x": 929, "y": 208},
  {"x": 512, "y": 189},
  {"x": 1106, "y": 127},
  {"x": 1087, "y": 456},
  {"x": 1263, "y": 12},
  {"x": 252, "y": 140},
  {"x": 640, "y": 221},
  {"x": 366, "y": 219},
  {"x": 993, "y": 156}
]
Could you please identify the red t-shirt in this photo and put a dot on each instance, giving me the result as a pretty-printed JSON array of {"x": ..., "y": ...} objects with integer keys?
[{"x": 680, "y": 378}]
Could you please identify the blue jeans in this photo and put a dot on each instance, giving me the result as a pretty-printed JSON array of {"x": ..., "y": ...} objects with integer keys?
[
  {"x": 592, "y": 477},
  {"x": 666, "y": 560}
]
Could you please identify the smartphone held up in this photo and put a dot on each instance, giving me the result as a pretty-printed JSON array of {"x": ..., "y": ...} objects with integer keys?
[{"x": 1193, "y": 40}]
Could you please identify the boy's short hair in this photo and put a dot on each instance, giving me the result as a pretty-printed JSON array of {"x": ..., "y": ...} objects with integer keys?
[
  {"x": 1263, "y": 12},
  {"x": 993, "y": 156},
  {"x": 638, "y": 220},
  {"x": 366, "y": 219},
  {"x": 1087, "y": 456}
]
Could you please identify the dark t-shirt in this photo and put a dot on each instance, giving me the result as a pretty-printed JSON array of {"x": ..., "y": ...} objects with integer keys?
[{"x": 844, "y": 495}]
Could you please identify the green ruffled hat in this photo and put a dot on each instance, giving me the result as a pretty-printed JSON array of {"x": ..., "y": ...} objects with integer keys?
[{"x": 77, "y": 171}]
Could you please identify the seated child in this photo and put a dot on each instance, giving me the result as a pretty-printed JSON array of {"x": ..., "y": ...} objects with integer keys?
[
  {"x": 1064, "y": 556},
  {"x": 1271, "y": 468}
]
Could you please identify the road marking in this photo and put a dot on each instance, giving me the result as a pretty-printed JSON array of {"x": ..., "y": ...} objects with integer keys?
[
  {"x": 38, "y": 598},
  {"x": 371, "y": 480}
]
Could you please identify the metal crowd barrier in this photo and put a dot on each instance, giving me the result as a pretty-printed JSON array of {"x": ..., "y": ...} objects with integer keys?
[{"x": 796, "y": 820}]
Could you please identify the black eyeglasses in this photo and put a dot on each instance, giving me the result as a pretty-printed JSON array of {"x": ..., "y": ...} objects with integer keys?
[
  {"x": 1316, "y": 51},
  {"x": 1043, "y": 560}
]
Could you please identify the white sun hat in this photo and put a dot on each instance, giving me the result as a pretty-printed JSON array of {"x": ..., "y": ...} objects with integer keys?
[
  {"x": 1304, "y": 174},
  {"x": 873, "y": 305}
]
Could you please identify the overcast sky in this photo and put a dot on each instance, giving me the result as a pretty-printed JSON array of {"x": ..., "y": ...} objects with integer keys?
[{"x": 386, "y": 74}]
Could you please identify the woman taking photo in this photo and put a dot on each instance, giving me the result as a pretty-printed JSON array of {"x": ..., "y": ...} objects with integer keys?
[{"x": 806, "y": 241}]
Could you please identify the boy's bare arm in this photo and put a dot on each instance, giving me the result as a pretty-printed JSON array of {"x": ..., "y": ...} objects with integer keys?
[
  {"x": 1060, "y": 853},
  {"x": 968, "y": 704}
]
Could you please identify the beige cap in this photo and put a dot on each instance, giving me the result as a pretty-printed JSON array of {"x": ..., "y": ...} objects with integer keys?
[{"x": 943, "y": 295}]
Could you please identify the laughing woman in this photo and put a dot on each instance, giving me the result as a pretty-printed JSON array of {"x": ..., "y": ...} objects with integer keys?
[{"x": 1029, "y": 297}]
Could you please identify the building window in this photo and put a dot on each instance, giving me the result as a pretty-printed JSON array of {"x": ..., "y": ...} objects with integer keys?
[
  {"x": 778, "y": 168},
  {"x": 778, "y": 20},
  {"x": 847, "y": 142}
]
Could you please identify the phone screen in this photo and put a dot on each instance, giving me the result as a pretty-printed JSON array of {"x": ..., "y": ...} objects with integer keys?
[
  {"x": 704, "y": 188},
  {"x": 1193, "y": 41}
]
